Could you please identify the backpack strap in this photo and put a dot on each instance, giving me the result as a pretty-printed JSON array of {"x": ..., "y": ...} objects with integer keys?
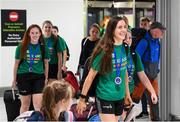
[
  {"x": 126, "y": 48},
  {"x": 24, "y": 115},
  {"x": 42, "y": 47},
  {"x": 134, "y": 56},
  {"x": 85, "y": 41},
  {"x": 36, "y": 116},
  {"x": 147, "y": 48},
  {"x": 30, "y": 116},
  {"x": 68, "y": 53}
]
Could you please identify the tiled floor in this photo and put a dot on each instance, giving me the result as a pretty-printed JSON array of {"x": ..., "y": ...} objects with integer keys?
[{"x": 3, "y": 117}]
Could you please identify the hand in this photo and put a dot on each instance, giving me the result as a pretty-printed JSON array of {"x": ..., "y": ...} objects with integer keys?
[
  {"x": 46, "y": 81},
  {"x": 128, "y": 100},
  {"x": 81, "y": 106},
  {"x": 14, "y": 84},
  {"x": 59, "y": 75},
  {"x": 64, "y": 68},
  {"x": 154, "y": 98}
]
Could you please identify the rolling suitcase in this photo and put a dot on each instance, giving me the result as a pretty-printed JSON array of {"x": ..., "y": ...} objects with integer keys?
[{"x": 12, "y": 104}]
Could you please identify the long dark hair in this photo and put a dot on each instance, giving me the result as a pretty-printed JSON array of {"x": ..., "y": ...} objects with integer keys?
[
  {"x": 26, "y": 40},
  {"x": 107, "y": 45}
]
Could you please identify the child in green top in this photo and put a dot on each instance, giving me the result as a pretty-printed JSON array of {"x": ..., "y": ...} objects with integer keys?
[
  {"x": 109, "y": 60},
  {"x": 29, "y": 73},
  {"x": 56, "y": 48}
]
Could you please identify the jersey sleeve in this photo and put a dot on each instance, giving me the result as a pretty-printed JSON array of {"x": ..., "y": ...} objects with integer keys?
[
  {"x": 97, "y": 61},
  {"x": 17, "y": 52},
  {"x": 139, "y": 65},
  {"x": 61, "y": 46}
]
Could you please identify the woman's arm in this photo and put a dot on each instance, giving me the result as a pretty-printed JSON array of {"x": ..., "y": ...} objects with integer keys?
[
  {"x": 64, "y": 60},
  {"x": 16, "y": 65},
  {"x": 145, "y": 81},
  {"x": 81, "y": 106},
  {"x": 59, "y": 74},
  {"x": 128, "y": 99},
  {"x": 88, "y": 81},
  {"x": 46, "y": 70}
]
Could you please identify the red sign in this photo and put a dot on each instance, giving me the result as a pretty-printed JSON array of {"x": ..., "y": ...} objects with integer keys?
[{"x": 13, "y": 16}]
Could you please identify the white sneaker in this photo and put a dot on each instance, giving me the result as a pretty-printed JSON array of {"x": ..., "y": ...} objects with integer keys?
[{"x": 133, "y": 112}]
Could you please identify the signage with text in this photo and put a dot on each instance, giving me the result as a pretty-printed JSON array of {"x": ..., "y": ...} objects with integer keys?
[{"x": 13, "y": 26}]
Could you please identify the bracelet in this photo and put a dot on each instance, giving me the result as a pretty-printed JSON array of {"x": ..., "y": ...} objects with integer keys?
[{"x": 83, "y": 96}]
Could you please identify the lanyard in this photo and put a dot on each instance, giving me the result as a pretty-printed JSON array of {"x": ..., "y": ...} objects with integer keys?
[
  {"x": 49, "y": 43},
  {"x": 130, "y": 67},
  {"x": 118, "y": 79},
  {"x": 32, "y": 56}
]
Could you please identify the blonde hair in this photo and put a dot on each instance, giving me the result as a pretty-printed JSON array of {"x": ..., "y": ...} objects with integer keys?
[{"x": 52, "y": 94}]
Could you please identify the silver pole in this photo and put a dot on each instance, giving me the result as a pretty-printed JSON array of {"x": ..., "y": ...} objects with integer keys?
[{"x": 134, "y": 12}]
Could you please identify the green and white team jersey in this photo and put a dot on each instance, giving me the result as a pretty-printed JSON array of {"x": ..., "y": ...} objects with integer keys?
[
  {"x": 33, "y": 59},
  {"x": 107, "y": 88},
  {"x": 63, "y": 42},
  {"x": 132, "y": 69},
  {"x": 54, "y": 49}
]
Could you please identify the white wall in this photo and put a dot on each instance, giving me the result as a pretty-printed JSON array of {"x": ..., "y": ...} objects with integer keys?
[
  {"x": 66, "y": 14},
  {"x": 175, "y": 57}
]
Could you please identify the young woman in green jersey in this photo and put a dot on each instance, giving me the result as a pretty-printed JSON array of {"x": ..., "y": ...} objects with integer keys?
[
  {"x": 29, "y": 72},
  {"x": 56, "y": 48},
  {"x": 109, "y": 60}
]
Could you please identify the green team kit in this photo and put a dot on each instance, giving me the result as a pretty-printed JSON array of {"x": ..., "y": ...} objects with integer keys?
[
  {"x": 134, "y": 65},
  {"x": 33, "y": 61},
  {"x": 54, "y": 48},
  {"x": 111, "y": 86}
]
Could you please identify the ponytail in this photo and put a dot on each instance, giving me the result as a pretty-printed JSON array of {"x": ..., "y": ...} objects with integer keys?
[{"x": 48, "y": 104}]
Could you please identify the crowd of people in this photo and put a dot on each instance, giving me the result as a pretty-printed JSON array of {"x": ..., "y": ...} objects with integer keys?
[{"x": 124, "y": 71}]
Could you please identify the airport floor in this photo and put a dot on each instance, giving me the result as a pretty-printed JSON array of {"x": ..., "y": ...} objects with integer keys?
[{"x": 3, "y": 117}]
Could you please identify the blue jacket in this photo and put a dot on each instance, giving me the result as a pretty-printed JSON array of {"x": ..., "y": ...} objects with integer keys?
[{"x": 146, "y": 54}]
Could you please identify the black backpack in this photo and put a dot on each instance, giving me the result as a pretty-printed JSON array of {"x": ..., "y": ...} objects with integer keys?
[
  {"x": 92, "y": 89},
  {"x": 137, "y": 35},
  {"x": 150, "y": 68},
  {"x": 68, "y": 53}
]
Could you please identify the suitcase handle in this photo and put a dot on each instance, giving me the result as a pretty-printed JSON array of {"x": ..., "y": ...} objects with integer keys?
[
  {"x": 90, "y": 112},
  {"x": 13, "y": 94}
]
